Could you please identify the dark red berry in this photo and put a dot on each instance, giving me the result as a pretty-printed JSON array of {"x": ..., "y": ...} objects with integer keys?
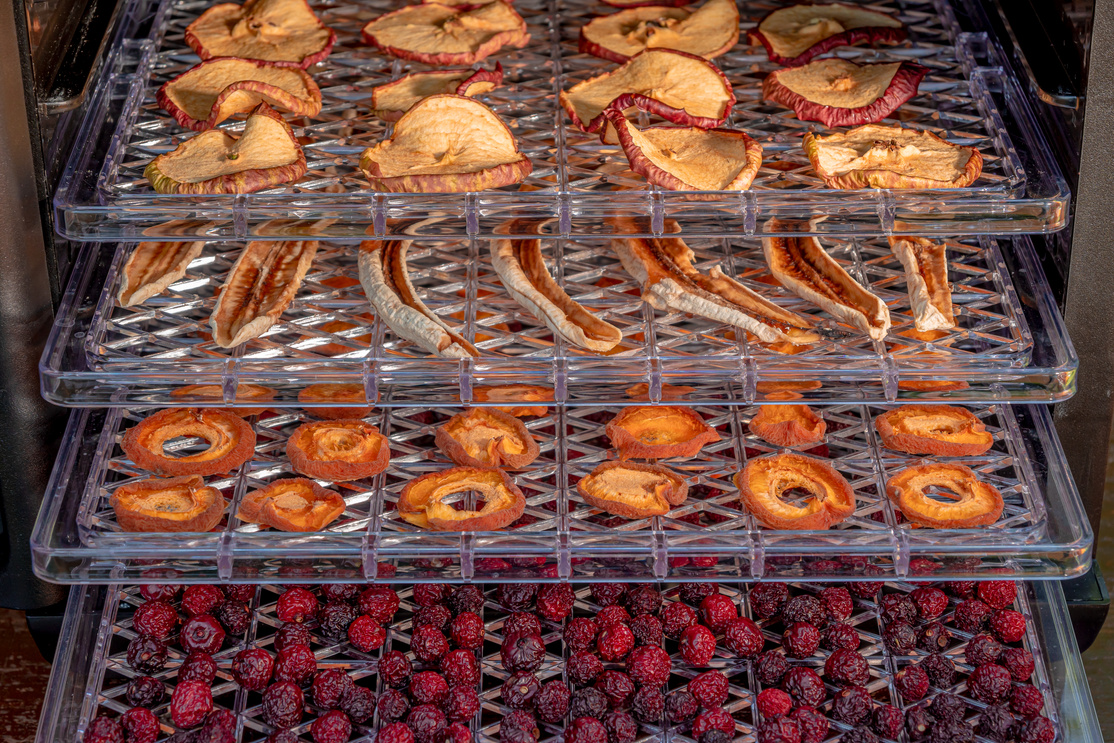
[
  {"x": 676, "y": 618},
  {"x": 427, "y": 723},
  {"x": 459, "y": 667},
  {"x": 365, "y": 635},
  {"x": 608, "y": 594},
  {"x": 698, "y": 645},
  {"x": 774, "y": 730},
  {"x": 852, "y": 705},
  {"x": 934, "y": 637},
  {"x": 516, "y": 596},
  {"x": 252, "y": 668},
  {"x": 1026, "y": 701},
  {"x": 296, "y": 663},
  {"x": 524, "y": 652},
  {"x": 428, "y": 687},
  {"x": 190, "y": 703},
  {"x": 710, "y": 689},
  {"x": 339, "y": 591},
  {"x": 614, "y": 641},
  {"x": 521, "y": 623},
  {"x": 972, "y": 615},
  {"x": 155, "y": 619},
  {"x": 911, "y": 683},
  {"x": 466, "y": 598},
  {"x": 612, "y": 615},
  {"x": 292, "y": 634},
  {"x": 429, "y": 644},
  {"x": 589, "y": 702},
  {"x": 141, "y": 725},
  {"x": 918, "y": 722},
  {"x": 395, "y": 668},
  {"x": 583, "y": 668},
  {"x": 586, "y": 730},
  {"x": 931, "y": 603},
  {"x": 961, "y": 589},
  {"x": 898, "y": 607},
  {"x": 804, "y": 685},
  {"x": 396, "y": 732},
  {"x": 234, "y": 616},
  {"x": 467, "y": 630},
  {"x": 437, "y": 616},
  {"x": 359, "y": 705},
  {"x": 1008, "y": 625},
  {"x": 694, "y": 593},
  {"x": 201, "y": 599},
  {"x": 616, "y": 686},
  {"x": 428, "y": 594},
  {"x": 580, "y": 633},
  {"x": 812, "y": 724},
  {"x": 990, "y": 683},
  {"x": 649, "y": 665},
  {"x": 774, "y": 703},
  {"x": 948, "y": 707},
  {"x": 331, "y": 687},
  {"x": 519, "y": 689},
  {"x": 551, "y": 703},
  {"x": 240, "y": 592},
  {"x": 648, "y": 704},
  {"x": 997, "y": 594},
  {"x": 198, "y": 666},
  {"x": 865, "y": 590},
  {"x": 744, "y": 638},
  {"x": 331, "y": 727},
  {"x": 646, "y": 628},
  {"x": 800, "y": 640},
  {"x": 838, "y": 635},
  {"x": 145, "y": 691},
  {"x": 804, "y": 608},
  {"x": 621, "y": 727},
  {"x": 717, "y": 611},
  {"x": 681, "y": 706},
  {"x": 378, "y": 602},
  {"x": 202, "y": 633},
  {"x": 104, "y": 730},
  {"x": 642, "y": 599},
  {"x": 296, "y": 605},
  {"x": 860, "y": 734},
  {"x": 393, "y": 705},
  {"x": 996, "y": 723},
  {"x": 982, "y": 649},
  {"x": 518, "y": 726},
  {"x": 713, "y": 719},
  {"x": 900, "y": 637},
  {"x": 1019, "y": 662},
  {"x": 159, "y": 591},
  {"x": 461, "y": 703},
  {"x": 837, "y": 602},
  {"x": 771, "y": 668},
  {"x": 1038, "y": 730},
  {"x": 887, "y": 721},
  {"x": 847, "y": 667},
  {"x": 333, "y": 619},
  {"x": 767, "y": 599}
]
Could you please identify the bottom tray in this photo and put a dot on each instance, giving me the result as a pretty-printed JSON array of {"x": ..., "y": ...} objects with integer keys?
[{"x": 91, "y": 670}]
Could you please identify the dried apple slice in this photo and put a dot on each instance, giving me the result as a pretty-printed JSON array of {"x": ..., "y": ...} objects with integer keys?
[
  {"x": 231, "y": 442},
  {"x": 338, "y": 450},
  {"x": 795, "y": 34},
  {"x": 439, "y": 34},
  {"x": 522, "y": 270},
  {"x": 764, "y": 482},
  {"x": 788, "y": 425},
  {"x": 934, "y": 430},
  {"x": 421, "y": 501},
  {"x": 486, "y": 437},
  {"x": 260, "y": 286},
  {"x": 971, "y": 502},
  {"x": 689, "y": 158},
  {"x": 677, "y": 86},
  {"x": 392, "y": 100},
  {"x": 659, "y": 432},
  {"x": 525, "y": 393},
  {"x": 837, "y": 92},
  {"x": 208, "y": 93},
  {"x": 177, "y": 504},
  {"x": 292, "y": 504},
  {"x": 152, "y": 267},
  {"x": 446, "y": 144},
  {"x": 926, "y": 276},
  {"x": 876, "y": 156},
  {"x": 708, "y": 31},
  {"x": 802, "y": 266},
  {"x": 632, "y": 490},
  {"x": 386, "y": 283},
  {"x": 664, "y": 267},
  {"x": 271, "y": 30},
  {"x": 214, "y": 162}
]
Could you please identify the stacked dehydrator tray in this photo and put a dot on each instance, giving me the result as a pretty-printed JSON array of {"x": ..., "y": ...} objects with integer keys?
[{"x": 1007, "y": 359}]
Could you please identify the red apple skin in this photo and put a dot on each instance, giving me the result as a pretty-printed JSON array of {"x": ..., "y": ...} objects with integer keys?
[
  {"x": 867, "y": 34},
  {"x": 194, "y": 42},
  {"x": 584, "y": 45},
  {"x": 654, "y": 106},
  {"x": 495, "y": 77},
  {"x": 519, "y": 38},
  {"x": 657, "y": 176},
  {"x": 903, "y": 87},
  {"x": 290, "y": 103},
  {"x": 888, "y": 179},
  {"x": 246, "y": 181}
]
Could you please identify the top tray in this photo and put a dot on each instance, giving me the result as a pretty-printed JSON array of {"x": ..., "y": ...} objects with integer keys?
[{"x": 577, "y": 183}]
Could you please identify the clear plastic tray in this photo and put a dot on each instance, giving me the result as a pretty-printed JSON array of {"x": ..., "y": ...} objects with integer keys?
[
  {"x": 1043, "y": 530},
  {"x": 91, "y": 672},
  {"x": 1010, "y": 343},
  {"x": 577, "y": 182}
]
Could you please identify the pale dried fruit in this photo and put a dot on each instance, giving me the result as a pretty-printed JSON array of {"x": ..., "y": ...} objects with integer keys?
[
  {"x": 439, "y": 34},
  {"x": 446, "y": 144},
  {"x": 926, "y": 276},
  {"x": 664, "y": 267},
  {"x": 708, "y": 31},
  {"x": 934, "y": 430},
  {"x": 231, "y": 442},
  {"x": 837, "y": 92},
  {"x": 522, "y": 270},
  {"x": 658, "y": 432},
  {"x": 207, "y": 94},
  {"x": 788, "y": 425},
  {"x": 338, "y": 450},
  {"x": 293, "y": 504},
  {"x": 764, "y": 482},
  {"x": 271, "y": 30},
  {"x": 422, "y": 500},
  {"x": 486, "y": 437},
  {"x": 177, "y": 504},
  {"x": 800, "y": 264},
  {"x": 260, "y": 286},
  {"x": 214, "y": 162},
  {"x": 689, "y": 158},
  {"x": 386, "y": 282},
  {"x": 876, "y": 156},
  {"x": 795, "y": 34},
  {"x": 679, "y": 87},
  {"x": 391, "y": 100},
  {"x": 631, "y": 490},
  {"x": 152, "y": 267},
  {"x": 971, "y": 502}
]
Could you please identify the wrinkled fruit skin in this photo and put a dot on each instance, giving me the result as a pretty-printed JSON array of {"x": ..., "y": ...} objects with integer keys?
[
  {"x": 332, "y": 727},
  {"x": 252, "y": 668},
  {"x": 649, "y": 666},
  {"x": 698, "y": 645},
  {"x": 202, "y": 633},
  {"x": 525, "y": 652},
  {"x": 282, "y": 704},
  {"x": 190, "y": 703}
]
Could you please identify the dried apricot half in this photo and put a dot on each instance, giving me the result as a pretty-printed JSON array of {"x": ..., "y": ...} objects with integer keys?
[
  {"x": 292, "y": 504},
  {"x": 338, "y": 450},
  {"x": 422, "y": 500},
  {"x": 765, "y": 481},
  {"x": 633, "y": 490},
  {"x": 516, "y": 393},
  {"x": 936, "y": 430},
  {"x": 176, "y": 504},
  {"x": 788, "y": 425},
  {"x": 658, "y": 432},
  {"x": 486, "y": 437}
]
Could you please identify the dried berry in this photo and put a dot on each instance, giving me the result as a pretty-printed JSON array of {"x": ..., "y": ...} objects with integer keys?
[
  {"x": 996, "y": 723},
  {"x": 642, "y": 599},
  {"x": 296, "y": 605},
  {"x": 525, "y": 652},
  {"x": 428, "y": 687},
  {"x": 296, "y": 663},
  {"x": 990, "y": 683},
  {"x": 589, "y": 702},
  {"x": 580, "y": 633},
  {"x": 332, "y": 727},
  {"x": 860, "y": 734},
  {"x": 466, "y": 598},
  {"x": 519, "y": 689},
  {"x": 1008, "y": 625},
  {"x": 852, "y": 705},
  {"x": 713, "y": 719},
  {"x": 694, "y": 593},
  {"x": 744, "y": 638},
  {"x": 583, "y": 668},
  {"x": 681, "y": 706},
  {"x": 612, "y": 615},
  {"x": 647, "y": 629},
  {"x": 292, "y": 634},
  {"x": 847, "y": 667},
  {"x": 812, "y": 723},
  {"x": 911, "y": 683},
  {"x": 551, "y": 703},
  {"x": 982, "y": 649},
  {"x": 141, "y": 725},
  {"x": 710, "y": 689},
  {"x": 251, "y": 668},
  {"x": 393, "y": 705},
  {"x": 234, "y": 616},
  {"x": 518, "y": 721},
  {"x": 900, "y": 637},
  {"x": 201, "y": 599},
  {"x": 144, "y": 691},
  {"x": 804, "y": 685},
  {"x": 676, "y": 618},
  {"x": 617, "y": 686},
  {"x": 202, "y": 633},
  {"x": 460, "y": 703},
  {"x": 767, "y": 599},
  {"x": 467, "y": 630},
  {"x": 997, "y": 594},
  {"x": 1026, "y": 701},
  {"x": 429, "y": 644},
  {"x": 359, "y": 705},
  {"x": 773, "y": 730},
  {"x": 396, "y": 732},
  {"x": 365, "y": 634},
  {"x": 521, "y": 623},
  {"x": 1038, "y": 730},
  {"x": 159, "y": 591},
  {"x": 800, "y": 640},
  {"x": 649, "y": 665},
  {"x": 887, "y": 721},
  {"x": 437, "y": 616},
  {"x": 774, "y": 703},
  {"x": 333, "y": 619},
  {"x": 155, "y": 619},
  {"x": 395, "y": 669},
  {"x": 586, "y": 730},
  {"x": 516, "y": 596},
  {"x": 459, "y": 667},
  {"x": 428, "y": 594},
  {"x": 837, "y": 603},
  {"x": 940, "y": 670},
  {"x": 934, "y": 637},
  {"x": 190, "y": 703},
  {"x": 948, "y": 707},
  {"x": 378, "y": 602},
  {"x": 427, "y": 723},
  {"x": 804, "y": 608},
  {"x": 1019, "y": 662},
  {"x": 608, "y": 594},
  {"x": 961, "y": 589},
  {"x": 282, "y": 704},
  {"x": 918, "y": 722},
  {"x": 771, "y": 668},
  {"x": 972, "y": 616},
  {"x": 931, "y": 603},
  {"x": 198, "y": 666},
  {"x": 838, "y": 635},
  {"x": 698, "y": 645},
  {"x": 621, "y": 727},
  {"x": 104, "y": 730},
  {"x": 951, "y": 731},
  {"x": 614, "y": 641},
  {"x": 717, "y": 611},
  {"x": 866, "y": 590},
  {"x": 898, "y": 606}
]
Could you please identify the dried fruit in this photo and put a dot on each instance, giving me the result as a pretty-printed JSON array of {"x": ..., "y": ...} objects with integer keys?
[
  {"x": 648, "y": 704},
  {"x": 338, "y": 450},
  {"x": 177, "y": 504},
  {"x": 971, "y": 615},
  {"x": 437, "y": 616},
  {"x": 608, "y": 594},
  {"x": 774, "y": 703},
  {"x": 887, "y": 721},
  {"x": 1038, "y": 730},
  {"x": 764, "y": 481},
  {"x": 429, "y": 644},
  {"x": 614, "y": 641},
  {"x": 526, "y": 652},
  {"x": 395, "y": 669},
  {"x": 794, "y": 34},
  {"x": 292, "y": 634},
  {"x": 776, "y": 730},
  {"x": 708, "y": 31},
  {"x": 555, "y": 601},
  {"x": 632, "y": 490},
  {"x": 359, "y": 705},
  {"x": 934, "y": 636},
  {"x": 141, "y": 725},
  {"x": 190, "y": 703},
  {"x": 710, "y": 689},
  {"x": 1019, "y": 662},
  {"x": 331, "y": 727},
  {"x": 681, "y": 706},
  {"x": 982, "y": 649},
  {"x": 586, "y": 730},
  {"x": 900, "y": 637},
  {"x": 365, "y": 634},
  {"x": 621, "y": 727},
  {"x": 104, "y": 730},
  {"x": 656, "y": 432},
  {"x": 612, "y": 614},
  {"x": 393, "y": 705},
  {"x": 583, "y": 668},
  {"x": 771, "y": 668},
  {"x": 647, "y": 629},
  {"x": 649, "y": 666},
  {"x": 995, "y": 723},
  {"x": 990, "y": 683},
  {"x": 144, "y": 691},
  {"x": 252, "y": 668},
  {"x": 589, "y": 702},
  {"x": 427, "y": 723},
  {"x": 767, "y": 599},
  {"x": 551, "y": 703},
  {"x": 146, "y": 655},
  {"x": 852, "y": 705},
  {"x": 698, "y": 645},
  {"x": 897, "y": 607},
  {"x": 676, "y": 618},
  {"x": 391, "y": 100},
  {"x": 1008, "y": 625},
  {"x": 838, "y": 92},
  {"x": 273, "y": 30},
  {"x": 743, "y": 637},
  {"x": 198, "y": 666},
  {"x": 713, "y": 719},
  {"x": 804, "y": 685},
  {"x": 940, "y": 670},
  {"x": 847, "y": 667},
  {"x": 422, "y": 500},
  {"x": 519, "y": 690},
  {"x": 800, "y": 640},
  {"x": 428, "y": 687},
  {"x": 396, "y": 732},
  {"x": 837, "y": 603},
  {"x": 155, "y": 619},
  {"x": 838, "y": 635},
  {"x": 812, "y": 724},
  {"x": 617, "y": 686},
  {"x": 718, "y": 611},
  {"x": 911, "y": 683},
  {"x": 459, "y": 667},
  {"x": 436, "y": 34},
  {"x": 694, "y": 593},
  {"x": 948, "y": 707}
]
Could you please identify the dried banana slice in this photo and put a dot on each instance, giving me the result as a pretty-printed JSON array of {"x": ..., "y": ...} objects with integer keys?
[
  {"x": 802, "y": 266},
  {"x": 260, "y": 286},
  {"x": 522, "y": 270},
  {"x": 926, "y": 275},
  {"x": 386, "y": 283},
  {"x": 154, "y": 266},
  {"x": 663, "y": 266}
]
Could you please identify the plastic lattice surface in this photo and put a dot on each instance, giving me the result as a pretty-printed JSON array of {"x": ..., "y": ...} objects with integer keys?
[
  {"x": 711, "y": 535},
  {"x": 576, "y": 182}
]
